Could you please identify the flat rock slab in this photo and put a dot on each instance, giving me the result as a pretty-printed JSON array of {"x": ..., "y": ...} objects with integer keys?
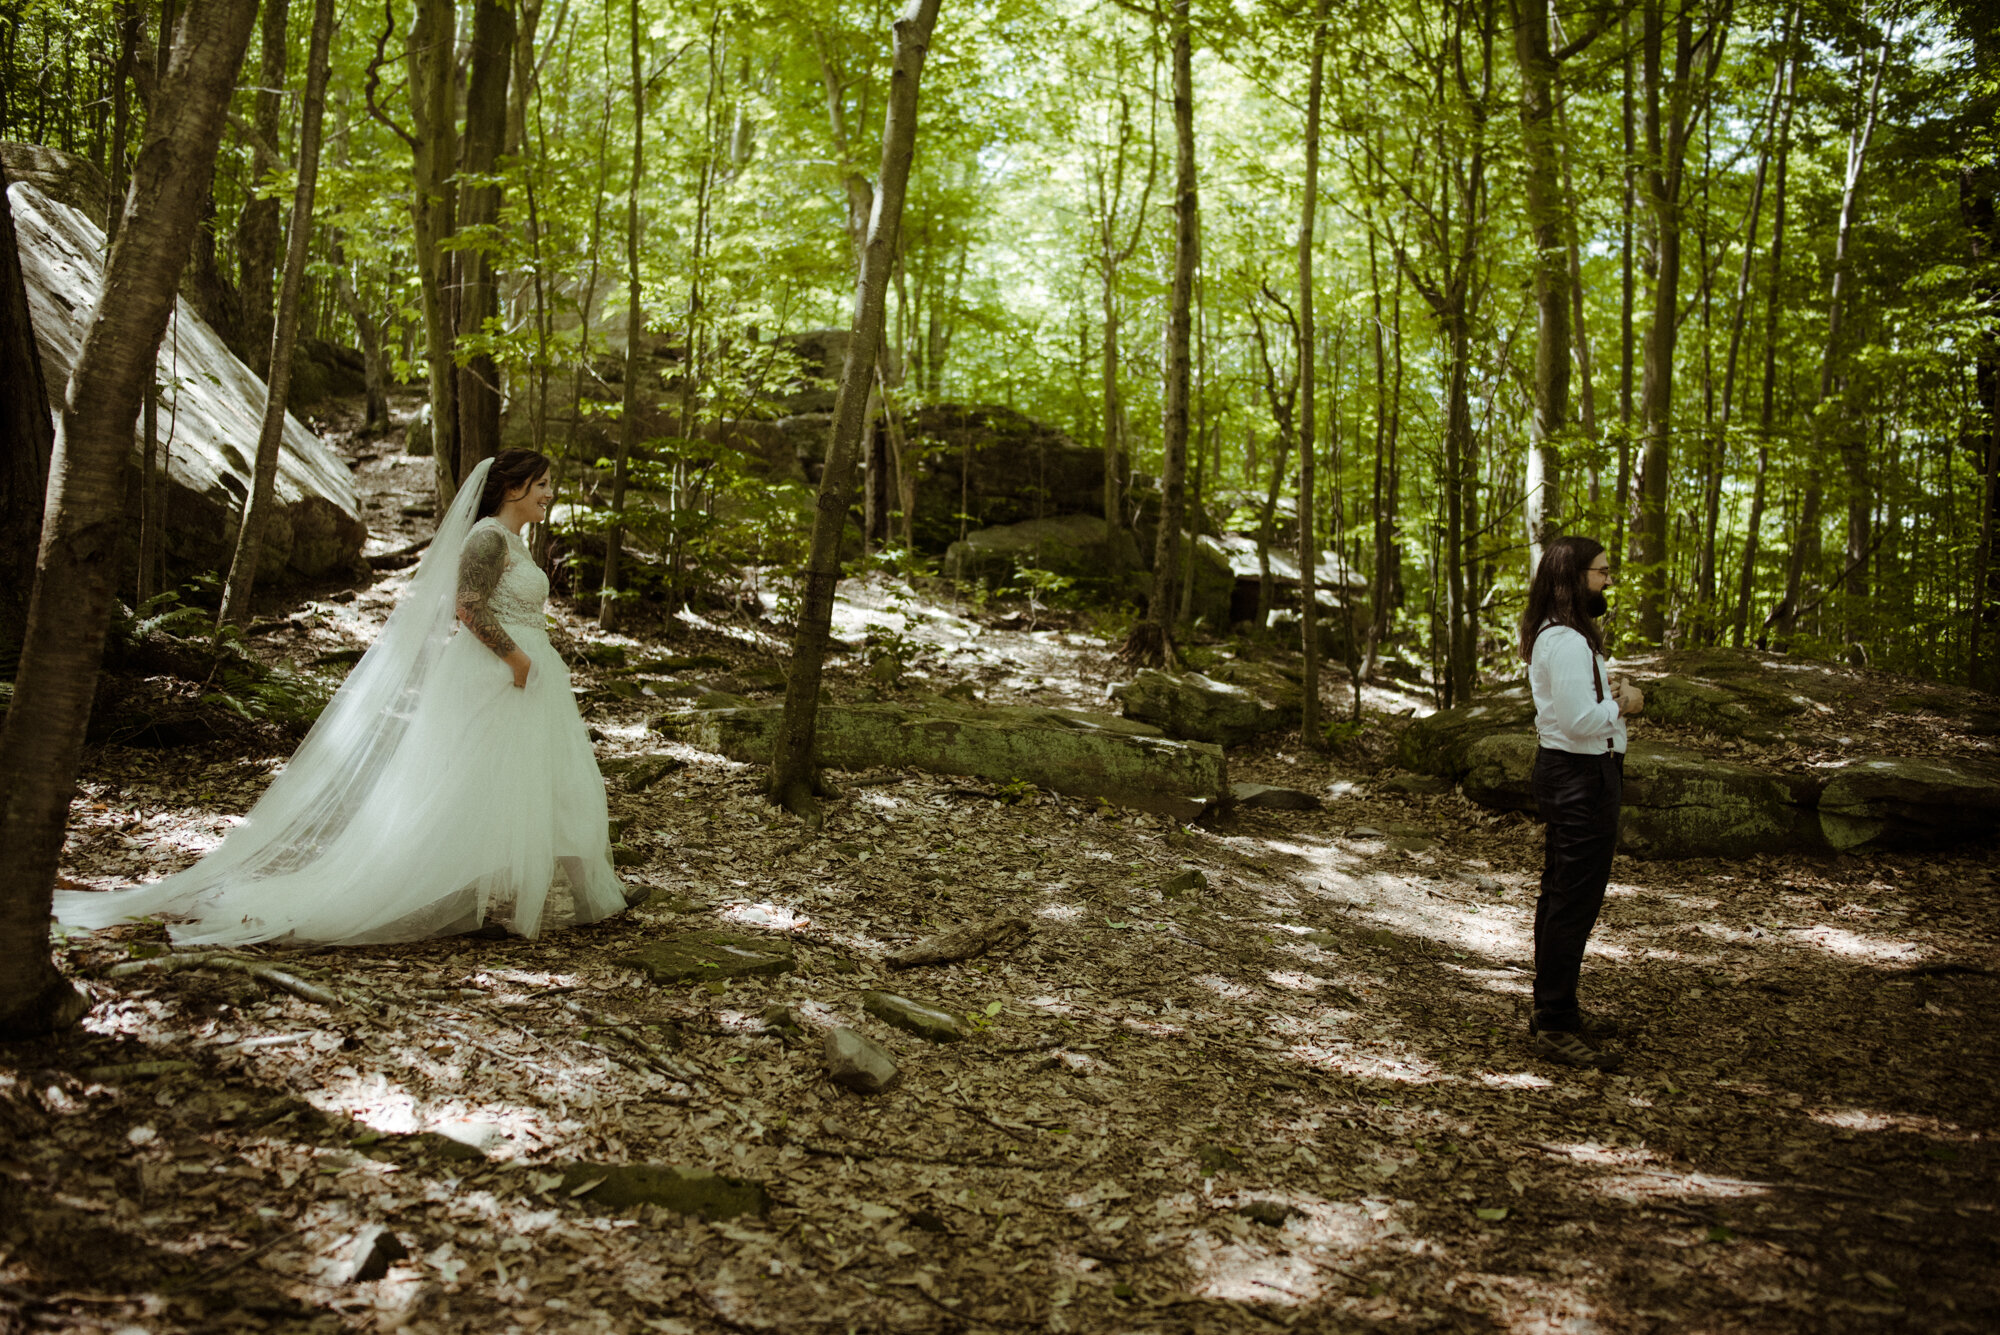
[
  {"x": 1271, "y": 797},
  {"x": 913, "y": 1017},
  {"x": 1908, "y": 801},
  {"x": 683, "y": 1190},
  {"x": 701, "y": 956},
  {"x": 857, "y": 1063},
  {"x": 1184, "y": 883},
  {"x": 1067, "y": 751}
]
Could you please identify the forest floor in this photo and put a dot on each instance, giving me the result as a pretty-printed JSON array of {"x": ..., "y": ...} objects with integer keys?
[{"x": 1300, "y": 1098}]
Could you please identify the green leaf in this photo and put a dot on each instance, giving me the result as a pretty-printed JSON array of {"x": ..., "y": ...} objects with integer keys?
[
  {"x": 1492, "y": 1216},
  {"x": 993, "y": 1008},
  {"x": 1721, "y": 1233}
]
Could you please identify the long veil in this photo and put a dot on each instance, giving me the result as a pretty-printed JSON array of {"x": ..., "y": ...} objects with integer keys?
[{"x": 316, "y": 797}]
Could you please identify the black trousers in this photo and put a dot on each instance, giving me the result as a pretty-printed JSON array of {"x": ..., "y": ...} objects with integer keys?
[{"x": 1578, "y": 796}]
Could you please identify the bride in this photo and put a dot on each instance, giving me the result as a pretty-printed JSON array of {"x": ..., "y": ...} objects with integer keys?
[{"x": 446, "y": 784}]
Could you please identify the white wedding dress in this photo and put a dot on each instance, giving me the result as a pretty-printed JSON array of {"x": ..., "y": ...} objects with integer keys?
[{"x": 431, "y": 797}]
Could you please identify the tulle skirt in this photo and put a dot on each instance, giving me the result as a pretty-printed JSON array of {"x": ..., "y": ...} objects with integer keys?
[{"x": 489, "y": 795}]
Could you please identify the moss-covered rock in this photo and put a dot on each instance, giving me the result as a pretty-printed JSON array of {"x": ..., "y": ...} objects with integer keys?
[
  {"x": 1909, "y": 801},
  {"x": 1065, "y": 750},
  {"x": 1678, "y": 803}
]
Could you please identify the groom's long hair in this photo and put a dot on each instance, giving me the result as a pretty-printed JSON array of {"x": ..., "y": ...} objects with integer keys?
[
  {"x": 1559, "y": 593},
  {"x": 512, "y": 470}
]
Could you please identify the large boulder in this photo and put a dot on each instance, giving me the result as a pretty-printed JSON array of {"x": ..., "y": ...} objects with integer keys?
[
  {"x": 1065, "y": 750},
  {"x": 1230, "y": 704},
  {"x": 996, "y": 466},
  {"x": 1682, "y": 802},
  {"x": 209, "y": 422},
  {"x": 1909, "y": 801},
  {"x": 1101, "y": 559},
  {"x": 1678, "y": 803}
]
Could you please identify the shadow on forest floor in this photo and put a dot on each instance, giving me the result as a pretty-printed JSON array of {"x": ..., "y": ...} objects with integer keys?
[{"x": 1299, "y": 1098}]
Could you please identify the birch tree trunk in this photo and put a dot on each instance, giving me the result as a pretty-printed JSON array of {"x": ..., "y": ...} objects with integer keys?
[
  {"x": 1545, "y": 204},
  {"x": 41, "y": 743},
  {"x": 242, "y": 581},
  {"x": 793, "y": 774}
]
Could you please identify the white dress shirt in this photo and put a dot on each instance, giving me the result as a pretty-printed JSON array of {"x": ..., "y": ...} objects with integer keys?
[{"x": 1568, "y": 714}]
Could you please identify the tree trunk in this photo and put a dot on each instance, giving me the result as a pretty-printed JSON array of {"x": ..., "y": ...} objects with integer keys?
[
  {"x": 1670, "y": 108},
  {"x": 1627, "y": 287},
  {"x": 1546, "y": 207},
  {"x": 477, "y": 298},
  {"x": 368, "y": 332},
  {"x": 1827, "y": 416},
  {"x": 242, "y": 581},
  {"x": 792, "y": 769},
  {"x": 1151, "y": 641},
  {"x": 1773, "y": 303},
  {"x": 635, "y": 337},
  {"x": 41, "y": 743},
  {"x": 432, "y": 64},
  {"x": 1309, "y": 726},
  {"x": 257, "y": 228},
  {"x": 131, "y": 25},
  {"x": 1979, "y": 213},
  {"x": 26, "y": 437}
]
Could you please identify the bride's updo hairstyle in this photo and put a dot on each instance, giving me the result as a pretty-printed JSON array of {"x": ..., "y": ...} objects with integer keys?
[{"x": 511, "y": 471}]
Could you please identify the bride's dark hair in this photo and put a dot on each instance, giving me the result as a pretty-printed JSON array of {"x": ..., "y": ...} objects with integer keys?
[
  {"x": 512, "y": 470},
  {"x": 1559, "y": 593}
]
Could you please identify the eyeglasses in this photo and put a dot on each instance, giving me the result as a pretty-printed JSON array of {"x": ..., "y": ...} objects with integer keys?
[{"x": 1606, "y": 571}]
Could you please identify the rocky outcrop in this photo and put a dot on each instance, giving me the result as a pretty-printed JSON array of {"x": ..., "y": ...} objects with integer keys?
[
  {"x": 997, "y": 466},
  {"x": 1066, "y": 751},
  {"x": 1909, "y": 801},
  {"x": 1678, "y": 803},
  {"x": 1230, "y": 704},
  {"x": 1682, "y": 801},
  {"x": 210, "y": 419},
  {"x": 1101, "y": 560}
]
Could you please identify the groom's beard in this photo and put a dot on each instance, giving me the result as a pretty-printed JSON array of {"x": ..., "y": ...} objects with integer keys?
[{"x": 1595, "y": 605}]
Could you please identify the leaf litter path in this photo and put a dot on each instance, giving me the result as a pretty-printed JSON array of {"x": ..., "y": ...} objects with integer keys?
[{"x": 1299, "y": 1098}]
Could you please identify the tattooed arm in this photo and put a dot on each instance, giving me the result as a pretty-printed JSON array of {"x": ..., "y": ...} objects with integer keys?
[{"x": 480, "y": 566}]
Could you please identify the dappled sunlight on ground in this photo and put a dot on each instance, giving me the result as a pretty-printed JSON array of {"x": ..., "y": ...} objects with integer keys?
[{"x": 1299, "y": 1097}]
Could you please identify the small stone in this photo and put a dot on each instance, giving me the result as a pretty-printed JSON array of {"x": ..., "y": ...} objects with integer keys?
[
  {"x": 855, "y": 1063},
  {"x": 1185, "y": 883},
  {"x": 1272, "y": 1213},
  {"x": 1326, "y": 939},
  {"x": 710, "y": 955},
  {"x": 1272, "y": 797},
  {"x": 375, "y": 1249},
  {"x": 779, "y": 1020},
  {"x": 1364, "y": 832},
  {"x": 624, "y": 855},
  {"x": 1422, "y": 785},
  {"x": 914, "y": 1017},
  {"x": 683, "y": 1190}
]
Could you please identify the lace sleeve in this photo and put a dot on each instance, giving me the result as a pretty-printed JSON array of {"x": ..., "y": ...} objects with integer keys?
[{"x": 480, "y": 565}]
